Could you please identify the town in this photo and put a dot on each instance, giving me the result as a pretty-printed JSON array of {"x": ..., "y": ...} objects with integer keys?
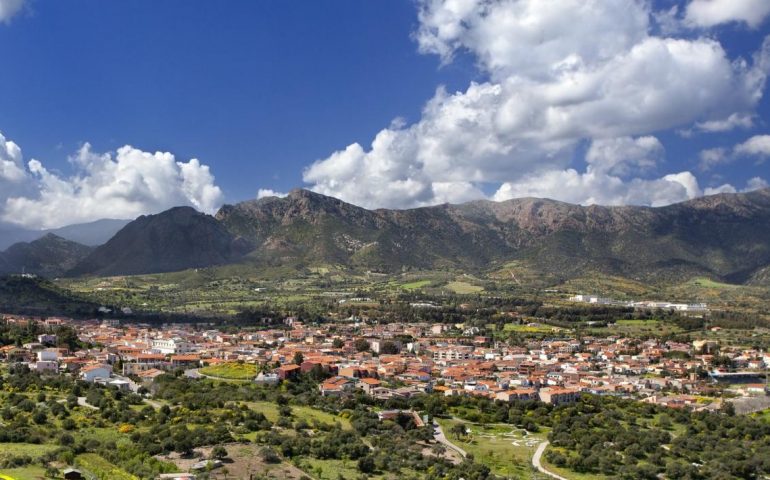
[{"x": 401, "y": 360}]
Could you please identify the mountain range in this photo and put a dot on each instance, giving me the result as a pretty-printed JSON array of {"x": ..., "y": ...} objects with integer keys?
[
  {"x": 725, "y": 237},
  {"x": 91, "y": 234}
]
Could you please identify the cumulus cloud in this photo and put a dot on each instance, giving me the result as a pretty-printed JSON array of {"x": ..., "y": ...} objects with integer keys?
[
  {"x": 11, "y": 168},
  {"x": 756, "y": 146},
  {"x": 624, "y": 156},
  {"x": 713, "y": 157},
  {"x": 9, "y": 8},
  {"x": 592, "y": 187},
  {"x": 266, "y": 192},
  {"x": 756, "y": 183},
  {"x": 709, "y": 13},
  {"x": 559, "y": 73},
  {"x": 124, "y": 184}
]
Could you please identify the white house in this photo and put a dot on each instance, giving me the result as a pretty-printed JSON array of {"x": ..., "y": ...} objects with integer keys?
[
  {"x": 90, "y": 373},
  {"x": 48, "y": 355},
  {"x": 45, "y": 366}
]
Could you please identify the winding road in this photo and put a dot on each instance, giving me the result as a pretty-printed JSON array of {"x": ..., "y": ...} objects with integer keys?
[
  {"x": 441, "y": 438},
  {"x": 537, "y": 464}
]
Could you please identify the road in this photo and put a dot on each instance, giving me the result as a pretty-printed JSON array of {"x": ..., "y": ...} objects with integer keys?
[
  {"x": 536, "y": 462},
  {"x": 441, "y": 438}
]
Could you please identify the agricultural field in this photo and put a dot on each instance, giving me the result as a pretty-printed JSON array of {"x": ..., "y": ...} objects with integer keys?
[
  {"x": 464, "y": 288},
  {"x": 515, "y": 327},
  {"x": 231, "y": 371}
]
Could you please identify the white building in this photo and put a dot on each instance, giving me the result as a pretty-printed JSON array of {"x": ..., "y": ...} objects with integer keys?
[
  {"x": 48, "y": 355},
  {"x": 91, "y": 372},
  {"x": 171, "y": 346},
  {"x": 46, "y": 366}
]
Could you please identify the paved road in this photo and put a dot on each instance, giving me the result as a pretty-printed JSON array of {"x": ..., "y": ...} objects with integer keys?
[
  {"x": 441, "y": 438},
  {"x": 536, "y": 462}
]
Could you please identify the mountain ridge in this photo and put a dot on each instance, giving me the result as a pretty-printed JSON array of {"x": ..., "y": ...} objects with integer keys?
[
  {"x": 725, "y": 236},
  {"x": 48, "y": 256}
]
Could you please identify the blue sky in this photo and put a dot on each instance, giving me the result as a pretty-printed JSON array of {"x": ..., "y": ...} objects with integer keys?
[{"x": 272, "y": 95}]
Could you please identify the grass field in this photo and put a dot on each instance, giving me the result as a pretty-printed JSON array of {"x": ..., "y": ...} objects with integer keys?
[
  {"x": 334, "y": 469},
  {"x": 505, "y": 449},
  {"x": 34, "y": 451},
  {"x": 463, "y": 288},
  {"x": 301, "y": 412},
  {"x": 515, "y": 327},
  {"x": 231, "y": 371},
  {"x": 101, "y": 468},
  {"x": 638, "y": 328},
  {"x": 23, "y": 473},
  {"x": 416, "y": 285}
]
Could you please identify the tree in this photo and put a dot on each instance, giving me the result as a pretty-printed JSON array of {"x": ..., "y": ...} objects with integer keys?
[
  {"x": 298, "y": 358},
  {"x": 40, "y": 417},
  {"x": 219, "y": 452},
  {"x": 389, "y": 348},
  {"x": 338, "y": 343},
  {"x": 458, "y": 430},
  {"x": 269, "y": 456},
  {"x": 366, "y": 464},
  {"x": 361, "y": 345}
]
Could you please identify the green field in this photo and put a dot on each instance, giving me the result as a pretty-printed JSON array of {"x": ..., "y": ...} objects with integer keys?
[
  {"x": 638, "y": 328},
  {"x": 101, "y": 468},
  {"x": 503, "y": 448},
  {"x": 463, "y": 288},
  {"x": 299, "y": 412},
  {"x": 34, "y": 451},
  {"x": 23, "y": 473},
  {"x": 515, "y": 327},
  {"x": 416, "y": 285},
  {"x": 231, "y": 371}
]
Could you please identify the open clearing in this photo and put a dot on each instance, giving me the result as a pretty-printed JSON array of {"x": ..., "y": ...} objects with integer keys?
[
  {"x": 506, "y": 449},
  {"x": 231, "y": 371}
]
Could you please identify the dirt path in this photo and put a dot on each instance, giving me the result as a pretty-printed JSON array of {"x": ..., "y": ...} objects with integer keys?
[
  {"x": 537, "y": 464},
  {"x": 441, "y": 438}
]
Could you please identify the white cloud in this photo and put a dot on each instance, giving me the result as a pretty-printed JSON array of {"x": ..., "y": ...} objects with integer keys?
[
  {"x": 735, "y": 120},
  {"x": 126, "y": 184},
  {"x": 532, "y": 38},
  {"x": 713, "y": 157},
  {"x": 266, "y": 192},
  {"x": 625, "y": 155},
  {"x": 756, "y": 146},
  {"x": 709, "y": 13},
  {"x": 560, "y": 72},
  {"x": 11, "y": 168},
  {"x": 755, "y": 183},
  {"x": 9, "y": 8},
  {"x": 600, "y": 188}
]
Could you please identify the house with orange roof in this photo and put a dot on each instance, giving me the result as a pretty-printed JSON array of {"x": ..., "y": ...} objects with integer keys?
[{"x": 336, "y": 386}]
